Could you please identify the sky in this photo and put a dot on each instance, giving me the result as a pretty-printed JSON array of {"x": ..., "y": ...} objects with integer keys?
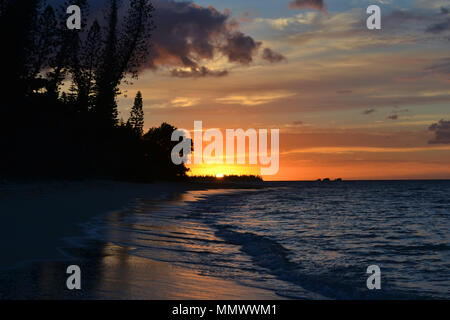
[{"x": 349, "y": 102}]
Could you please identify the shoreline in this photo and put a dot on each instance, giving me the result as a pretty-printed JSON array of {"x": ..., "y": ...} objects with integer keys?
[
  {"x": 109, "y": 272},
  {"x": 36, "y": 216},
  {"x": 40, "y": 217}
]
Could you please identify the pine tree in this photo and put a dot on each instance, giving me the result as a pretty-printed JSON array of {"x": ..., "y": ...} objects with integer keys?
[
  {"x": 45, "y": 40},
  {"x": 134, "y": 41},
  {"x": 107, "y": 80},
  {"x": 124, "y": 51},
  {"x": 84, "y": 65},
  {"x": 67, "y": 42},
  {"x": 136, "y": 120}
]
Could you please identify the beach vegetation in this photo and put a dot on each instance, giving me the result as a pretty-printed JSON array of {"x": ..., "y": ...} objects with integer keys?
[{"x": 59, "y": 100}]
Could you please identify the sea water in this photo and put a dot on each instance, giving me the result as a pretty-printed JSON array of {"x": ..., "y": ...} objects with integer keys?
[{"x": 301, "y": 240}]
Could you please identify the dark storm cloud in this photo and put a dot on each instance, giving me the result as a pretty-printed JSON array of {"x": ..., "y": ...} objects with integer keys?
[
  {"x": 187, "y": 35},
  {"x": 441, "y": 132},
  {"x": 240, "y": 48},
  {"x": 198, "y": 73},
  {"x": 307, "y": 4},
  {"x": 272, "y": 57}
]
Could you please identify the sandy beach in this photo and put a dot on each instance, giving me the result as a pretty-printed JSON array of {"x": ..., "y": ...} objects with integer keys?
[{"x": 38, "y": 217}]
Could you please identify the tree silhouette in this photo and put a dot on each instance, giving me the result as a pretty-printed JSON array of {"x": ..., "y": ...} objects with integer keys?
[
  {"x": 66, "y": 43},
  {"x": 134, "y": 41},
  {"x": 45, "y": 40},
  {"x": 18, "y": 30},
  {"x": 136, "y": 120},
  {"x": 55, "y": 133},
  {"x": 107, "y": 79},
  {"x": 84, "y": 66},
  {"x": 123, "y": 53},
  {"x": 158, "y": 146}
]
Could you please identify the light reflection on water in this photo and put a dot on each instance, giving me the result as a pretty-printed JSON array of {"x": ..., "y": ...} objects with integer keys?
[
  {"x": 292, "y": 240},
  {"x": 300, "y": 240},
  {"x": 140, "y": 240}
]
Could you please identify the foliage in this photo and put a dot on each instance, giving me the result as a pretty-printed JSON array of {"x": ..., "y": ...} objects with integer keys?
[{"x": 51, "y": 133}]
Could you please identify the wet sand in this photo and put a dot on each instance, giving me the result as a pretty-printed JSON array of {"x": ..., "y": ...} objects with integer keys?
[
  {"x": 110, "y": 272},
  {"x": 37, "y": 217}
]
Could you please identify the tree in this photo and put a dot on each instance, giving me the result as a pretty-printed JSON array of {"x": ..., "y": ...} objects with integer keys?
[
  {"x": 67, "y": 42},
  {"x": 107, "y": 79},
  {"x": 76, "y": 133},
  {"x": 134, "y": 41},
  {"x": 85, "y": 64},
  {"x": 136, "y": 120},
  {"x": 123, "y": 53},
  {"x": 45, "y": 39},
  {"x": 158, "y": 147},
  {"x": 18, "y": 28}
]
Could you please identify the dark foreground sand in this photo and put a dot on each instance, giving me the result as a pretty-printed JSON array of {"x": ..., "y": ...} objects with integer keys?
[
  {"x": 35, "y": 217},
  {"x": 109, "y": 272}
]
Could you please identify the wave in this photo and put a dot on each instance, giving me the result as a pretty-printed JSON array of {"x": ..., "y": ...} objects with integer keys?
[{"x": 296, "y": 241}]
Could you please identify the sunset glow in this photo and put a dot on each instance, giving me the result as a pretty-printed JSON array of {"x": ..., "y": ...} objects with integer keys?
[
  {"x": 231, "y": 151},
  {"x": 224, "y": 170},
  {"x": 349, "y": 102}
]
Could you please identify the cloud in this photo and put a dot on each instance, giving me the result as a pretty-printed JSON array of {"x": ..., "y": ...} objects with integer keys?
[
  {"x": 272, "y": 57},
  {"x": 403, "y": 15},
  {"x": 199, "y": 72},
  {"x": 187, "y": 35},
  {"x": 240, "y": 48},
  {"x": 443, "y": 25},
  {"x": 441, "y": 68},
  {"x": 369, "y": 111},
  {"x": 439, "y": 27},
  {"x": 184, "y": 102},
  {"x": 297, "y": 123},
  {"x": 300, "y": 21},
  {"x": 431, "y": 4},
  {"x": 411, "y": 19},
  {"x": 430, "y": 19},
  {"x": 393, "y": 117},
  {"x": 441, "y": 132},
  {"x": 307, "y": 4},
  {"x": 255, "y": 100}
]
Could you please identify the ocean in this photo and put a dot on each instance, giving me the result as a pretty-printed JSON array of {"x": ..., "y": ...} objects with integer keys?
[{"x": 297, "y": 240}]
